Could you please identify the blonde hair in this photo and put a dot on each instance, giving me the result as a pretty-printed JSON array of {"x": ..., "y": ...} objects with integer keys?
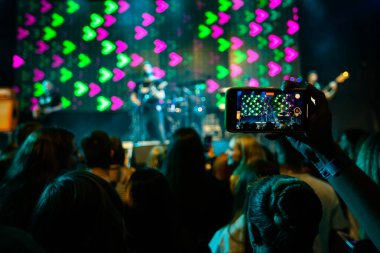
[{"x": 250, "y": 149}]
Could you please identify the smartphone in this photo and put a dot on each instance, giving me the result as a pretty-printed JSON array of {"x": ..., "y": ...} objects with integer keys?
[
  {"x": 267, "y": 110},
  {"x": 207, "y": 142}
]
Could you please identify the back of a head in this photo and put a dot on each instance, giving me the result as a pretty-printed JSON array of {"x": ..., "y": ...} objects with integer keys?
[
  {"x": 97, "y": 150},
  {"x": 185, "y": 161},
  {"x": 148, "y": 189},
  {"x": 288, "y": 156},
  {"x": 44, "y": 154},
  {"x": 79, "y": 212},
  {"x": 283, "y": 215},
  {"x": 24, "y": 129},
  {"x": 252, "y": 173},
  {"x": 369, "y": 157}
]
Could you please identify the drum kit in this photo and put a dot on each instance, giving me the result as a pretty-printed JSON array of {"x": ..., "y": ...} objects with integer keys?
[{"x": 184, "y": 105}]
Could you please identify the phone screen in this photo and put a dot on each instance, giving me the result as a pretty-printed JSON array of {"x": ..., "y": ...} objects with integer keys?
[{"x": 265, "y": 110}]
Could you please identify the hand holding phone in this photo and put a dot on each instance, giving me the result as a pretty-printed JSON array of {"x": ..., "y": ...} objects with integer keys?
[{"x": 266, "y": 110}]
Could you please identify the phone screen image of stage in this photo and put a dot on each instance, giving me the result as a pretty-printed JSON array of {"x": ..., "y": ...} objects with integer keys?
[{"x": 269, "y": 111}]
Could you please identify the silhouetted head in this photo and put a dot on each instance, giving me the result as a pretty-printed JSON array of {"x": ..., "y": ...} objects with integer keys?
[
  {"x": 147, "y": 189},
  {"x": 79, "y": 212},
  {"x": 97, "y": 150},
  {"x": 257, "y": 170},
  {"x": 283, "y": 215},
  {"x": 23, "y": 130},
  {"x": 185, "y": 161},
  {"x": 44, "y": 154}
]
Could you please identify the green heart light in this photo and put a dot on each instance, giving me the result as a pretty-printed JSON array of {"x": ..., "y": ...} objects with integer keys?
[
  {"x": 72, "y": 6},
  {"x": 110, "y": 7},
  {"x": 68, "y": 47},
  {"x": 108, "y": 47},
  {"x": 222, "y": 72},
  {"x": 223, "y": 44},
  {"x": 65, "y": 75},
  {"x": 96, "y": 20},
  {"x": 224, "y": 5},
  {"x": 211, "y": 18},
  {"x": 88, "y": 33},
  {"x": 105, "y": 75},
  {"x": 204, "y": 31},
  {"x": 122, "y": 60},
  {"x": 80, "y": 88},
  {"x": 58, "y": 20},
  {"x": 239, "y": 56},
  {"x": 38, "y": 90},
  {"x": 49, "y": 33},
  {"x": 84, "y": 60},
  {"x": 103, "y": 103},
  {"x": 65, "y": 103}
]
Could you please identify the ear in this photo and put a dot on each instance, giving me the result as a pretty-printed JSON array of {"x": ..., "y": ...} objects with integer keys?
[{"x": 254, "y": 235}]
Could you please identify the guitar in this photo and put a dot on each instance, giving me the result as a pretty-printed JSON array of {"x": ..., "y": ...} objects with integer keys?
[
  {"x": 331, "y": 89},
  {"x": 153, "y": 90}
]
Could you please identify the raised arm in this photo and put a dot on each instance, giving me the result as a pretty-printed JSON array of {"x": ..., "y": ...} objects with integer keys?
[{"x": 356, "y": 189}]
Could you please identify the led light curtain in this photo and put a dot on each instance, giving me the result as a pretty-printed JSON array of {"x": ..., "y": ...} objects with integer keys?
[{"x": 93, "y": 50}]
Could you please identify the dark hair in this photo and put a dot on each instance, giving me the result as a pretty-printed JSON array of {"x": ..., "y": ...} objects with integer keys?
[
  {"x": 80, "y": 211},
  {"x": 283, "y": 215},
  {"x": 24, "y": 129},
  {"x": 250, "y": 174},
  {"x": 45, "y": 154},
  {"x": 97, "y": 150},
  {"x": 150, "y": 213},
  {"x": 369, "y": 157},
  {"x": 148, "y": 189},
  {"x": 185, "y": 161},
  {"x": 118, "y": 151}
]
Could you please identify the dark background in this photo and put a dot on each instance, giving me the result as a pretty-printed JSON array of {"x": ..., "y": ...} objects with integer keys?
[{"x": 335, "y": 36}]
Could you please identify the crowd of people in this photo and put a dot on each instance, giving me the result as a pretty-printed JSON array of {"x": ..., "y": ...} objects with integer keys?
[{"x": 310, "y": 193}]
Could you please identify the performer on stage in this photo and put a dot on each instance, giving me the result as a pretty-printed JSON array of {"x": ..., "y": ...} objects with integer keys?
[
  {"x": 147, "y": 96},
  {"x": 48, "y": 102},
  {"x": 329, "y": 91}
]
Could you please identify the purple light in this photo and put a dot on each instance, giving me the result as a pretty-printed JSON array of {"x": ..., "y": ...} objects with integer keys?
[
  {"x": 235, "y": 70},
  {"x": 274, "y": 69},
  {"x": 290, "y": 54},
  {"x": 159, "y": 73},
  {"x": 38, "y": 75},
  {"x": 147, "y": 19},
  {"x": 123, "y": 6},
  {"x": 175, "y": 59},
  {"x": 273, "y": 4},
  {"x": 17, "y": 61},
  {"x": 274, "y": 41},
  {"x": 159, "y": 46},
  {"x": 131, "y": 85}
]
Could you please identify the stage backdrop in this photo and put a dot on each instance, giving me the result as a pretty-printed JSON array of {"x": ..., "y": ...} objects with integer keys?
[{"x": 93, "y": 50}]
